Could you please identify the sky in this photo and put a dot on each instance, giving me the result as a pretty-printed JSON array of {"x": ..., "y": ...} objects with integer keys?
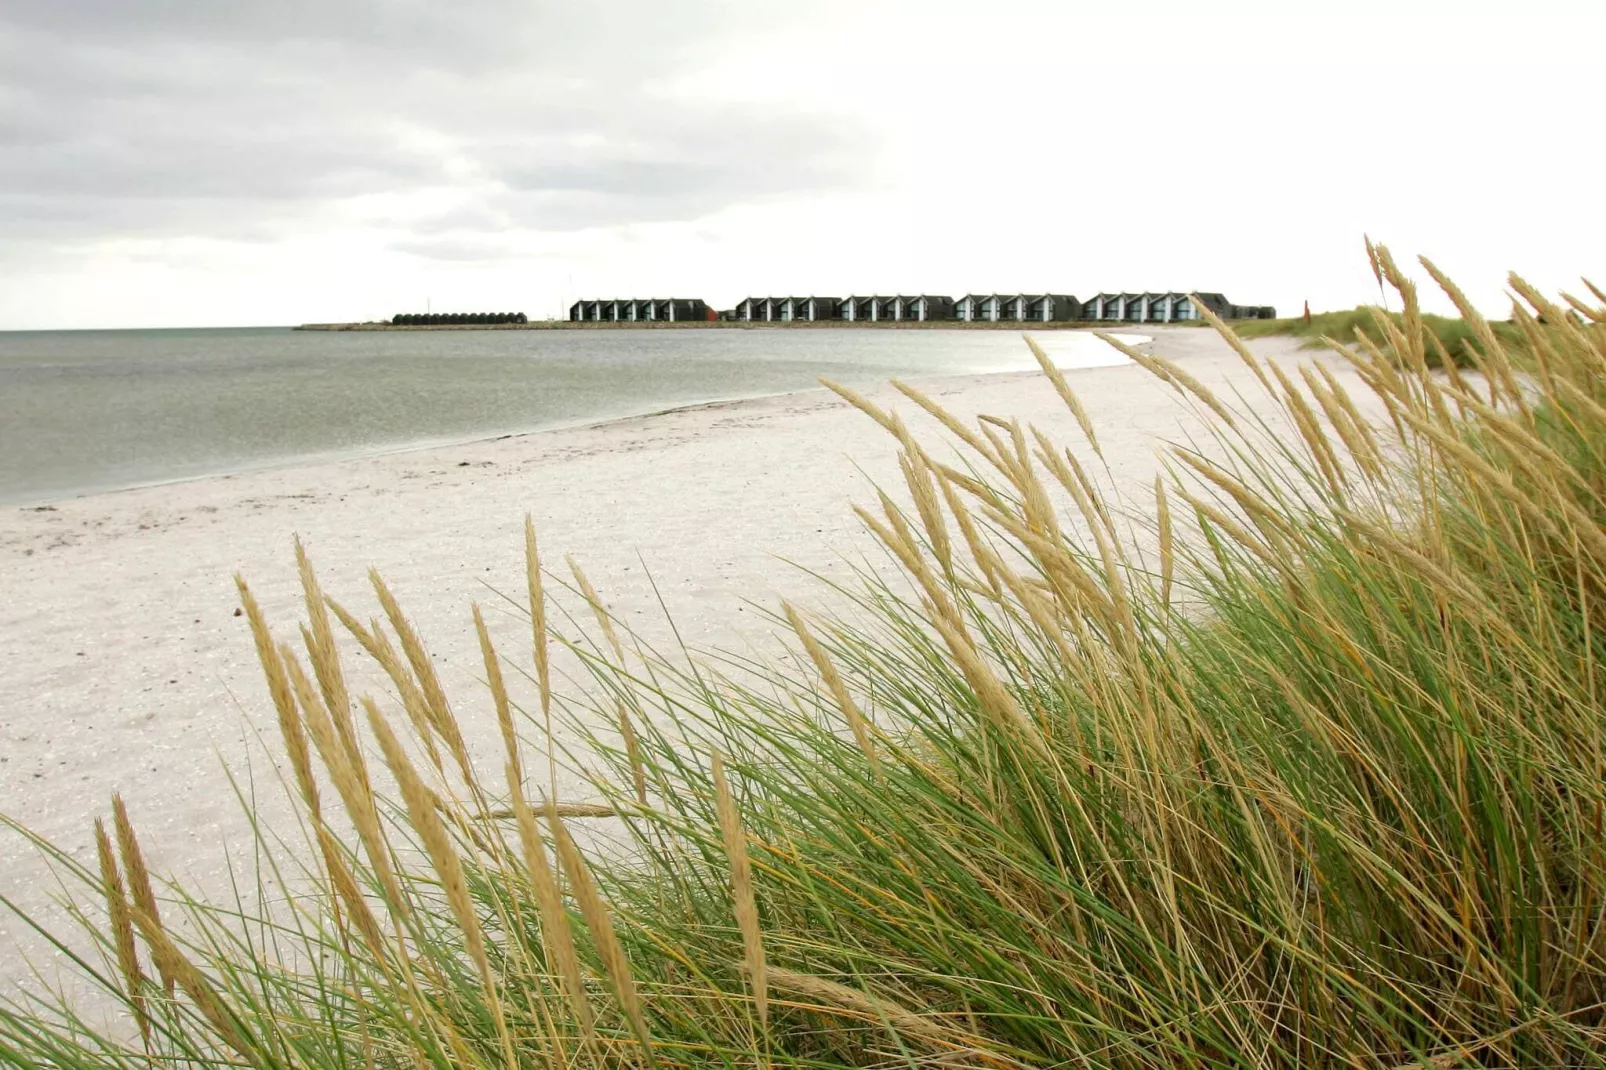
[{"x": 176, "y": 163}]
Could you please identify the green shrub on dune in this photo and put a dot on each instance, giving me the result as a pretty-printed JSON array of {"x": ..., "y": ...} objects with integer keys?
[
  {"x": 1448, "y": 335},
  {"x": 1305, "y": 768}
]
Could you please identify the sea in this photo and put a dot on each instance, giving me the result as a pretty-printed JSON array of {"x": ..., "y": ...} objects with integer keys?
[{"x": 83, "y": 412}]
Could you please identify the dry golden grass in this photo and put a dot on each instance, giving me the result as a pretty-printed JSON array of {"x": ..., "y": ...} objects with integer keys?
[
  {"x": 122, "y": 926},
  {"x": 1300, "y": 763},
  {"x": 741, "y": 884}
]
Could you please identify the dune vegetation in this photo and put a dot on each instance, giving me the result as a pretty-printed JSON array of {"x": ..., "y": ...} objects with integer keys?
[
  {"x": 1299, "y": 762},
  {"x": 1448, "y": 337}
]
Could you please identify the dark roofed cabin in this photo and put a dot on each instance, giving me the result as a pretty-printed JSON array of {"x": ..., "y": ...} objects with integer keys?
[{"x": 649, "y": 310}]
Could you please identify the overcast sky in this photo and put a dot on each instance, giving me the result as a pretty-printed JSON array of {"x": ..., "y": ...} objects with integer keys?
[{"x": 208, "y": 162}]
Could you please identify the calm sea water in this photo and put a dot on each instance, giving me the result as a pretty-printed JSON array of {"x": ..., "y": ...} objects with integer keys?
[{"x": 85, "y": 411}]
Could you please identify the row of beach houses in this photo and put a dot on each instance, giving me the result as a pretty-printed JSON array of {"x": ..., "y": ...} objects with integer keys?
[{"x": 974, "y": 308}]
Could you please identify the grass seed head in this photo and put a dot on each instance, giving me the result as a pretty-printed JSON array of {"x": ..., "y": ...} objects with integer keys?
[
  {"x": 742, "y": 896},
  {"x": 599, "y": 921},
  {"x": 122, "y": 924}
]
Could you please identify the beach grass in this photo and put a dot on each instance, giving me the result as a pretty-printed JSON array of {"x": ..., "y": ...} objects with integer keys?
[
  {"x": 1300, "y": 761},
  {"x": 1453, "y": 335}
]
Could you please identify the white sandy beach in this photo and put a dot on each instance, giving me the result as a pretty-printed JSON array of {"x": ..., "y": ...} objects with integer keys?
[{"x": 123, "y": 667}]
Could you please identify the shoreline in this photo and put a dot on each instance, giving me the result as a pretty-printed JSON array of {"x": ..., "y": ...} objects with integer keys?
[
  {"x": 755, "y": 325},
  {"x": 318, "y": 460},
  {"x": 126, "y": 670},
  {"x": 337, "y": 456}
]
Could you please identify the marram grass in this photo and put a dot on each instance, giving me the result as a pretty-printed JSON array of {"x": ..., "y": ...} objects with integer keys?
[
  {"x": 1303, "y": 766},
  {"x": 1451, "y": 336}
]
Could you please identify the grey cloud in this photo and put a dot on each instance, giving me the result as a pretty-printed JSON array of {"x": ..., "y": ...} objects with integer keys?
[
  {"x": 674, "y": 170},
  {"x": 748, "y": 156},
  {"x": 197, "y": 118},
  {"x": 475, "y": 250},
  {"x": 413, "y": 32}
]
